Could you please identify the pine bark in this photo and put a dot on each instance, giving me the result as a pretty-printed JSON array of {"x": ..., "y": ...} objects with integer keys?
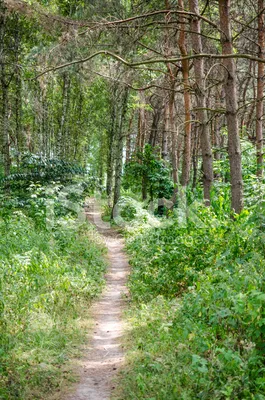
[
  {"x": 205, "y": 138},
  {"x": 4, "y": 122},
  {"x": 234, "y": 148},
  {"x": 62, "y": 134},
  {"x": 260, "y": 89},
  {"x": 119, "y": 152},
  {"x": 182, "y": 42}
]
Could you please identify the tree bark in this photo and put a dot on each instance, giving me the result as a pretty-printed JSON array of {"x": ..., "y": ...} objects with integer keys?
[
  {"x": 165, "y": 133},
  {"x": 5, "y": 102},
  {"x": 174, "y": 139},
  {"x": 154, "y": 127},
  {"x": 110, "y": 158},
  {"x": 129, "y": 139},
  {"x": 119, "y": 152},
  {"x": 205, "y": 138},
  {"x": 234, "y": 148},
  {"x": 61, "y": 143},
  {"x": 260, "y": 88},
  {"x": 185, "y": 176},
  {"x": 195, "y": 151},
  {"x": 141, "y": 123}
]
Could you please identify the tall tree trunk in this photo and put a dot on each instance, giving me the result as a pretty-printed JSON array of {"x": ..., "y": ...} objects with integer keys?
[
  {"x": 195, "y": 151},
  {"x": 165, "y": 133},
  {"x": 170, "y": 107},
  {"x": 141, "y": 123},
  {"x": 260, "y": 88},
  {"x": 207, "y": 158},
  {"x": 174, "y": 139},
  {"x": 154, "y": 127},
  {"x": 129, "y": 139},
  {"x": 18, "y": 97},
  {"x": 4, "y": 122},
  {"x": 5, "y": 127},
  {"x": 119, "y": 152},
  {"x": 61, "y": 141},
  {"x": 234, "y": 148},
  {"x": 187, "y": 101},
  {"x": 111, "y": 142},
  {"x": 18, "y": 116}
]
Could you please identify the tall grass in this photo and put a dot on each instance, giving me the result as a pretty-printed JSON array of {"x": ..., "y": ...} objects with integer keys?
[{"x": 47, "y": 281}]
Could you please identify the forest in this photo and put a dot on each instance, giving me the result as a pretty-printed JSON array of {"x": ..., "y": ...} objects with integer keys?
[{"x": 149, "y": 114}]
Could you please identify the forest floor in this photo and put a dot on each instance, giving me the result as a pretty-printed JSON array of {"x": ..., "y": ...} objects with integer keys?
[{"x": 104, "y": 355}]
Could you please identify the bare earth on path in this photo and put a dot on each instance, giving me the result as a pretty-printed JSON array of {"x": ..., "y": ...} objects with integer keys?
[{"x": 104, "y": 355}]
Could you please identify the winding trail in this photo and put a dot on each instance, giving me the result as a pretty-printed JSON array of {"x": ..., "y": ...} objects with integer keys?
[{"x": 105, "y": 355}]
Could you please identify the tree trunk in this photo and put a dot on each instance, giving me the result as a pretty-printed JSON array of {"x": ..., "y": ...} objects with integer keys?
[
  {"x": 119, "y": 153},
  {"x": 195, "y": 151},
  {"x": 111, "y": 142},
  {"x": 5, "y": 128},
  {"x": 154, "y": 126},
  {"x": 234, "y": 148},
  {"x": 61, "y": 142},
  {"x": 205, "y": 138},
  {"x": 187, "y": 102},
  {"x": 129, "y": 140},
  {"x": 165, "y": 133},
  {"x": 174, "y": 139},
  {"x": 141, "y": 123},
  {"x": 4, "y": 87},
  {"x": 260, "y": 88}
]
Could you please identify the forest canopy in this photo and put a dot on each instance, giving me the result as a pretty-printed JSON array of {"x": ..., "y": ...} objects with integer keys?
[{"x": 93, "y": 83}]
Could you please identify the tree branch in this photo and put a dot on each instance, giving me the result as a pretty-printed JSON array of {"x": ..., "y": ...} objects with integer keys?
[{"x": 150, "y": 61}]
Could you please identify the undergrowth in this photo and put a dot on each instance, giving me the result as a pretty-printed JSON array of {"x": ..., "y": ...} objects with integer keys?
[
  {"x": 48, "y": 278},
  {"x": 197, "y": 312}
]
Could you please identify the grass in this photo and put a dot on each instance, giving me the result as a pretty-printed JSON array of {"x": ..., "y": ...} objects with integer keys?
[{"x": 47, "y": 282}]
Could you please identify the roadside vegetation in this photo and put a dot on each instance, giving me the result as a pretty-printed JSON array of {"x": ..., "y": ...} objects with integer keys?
[
  {"x": 197, "y": 303},
  {"x": 51, "y": 267}
]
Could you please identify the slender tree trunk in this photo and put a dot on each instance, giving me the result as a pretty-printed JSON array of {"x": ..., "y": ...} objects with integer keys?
[
  {"x": 18, "y": 116},
  {"x": 18, "y": 98},
  {"x": 234, "y": 148},
  {"x": 141, "y": 123},
  {"x": 174, "y": 139},
  {"x": 165, "y": 134},
  {"x": 195, "y": 152},
  {"x": 4, "y": 121},
  {"x": 61, "y": 141},
  {"x": 154, "y": 126},
  {"x": 205, "y": 138},
  {"x": 80, "y": 114},
  {"x": 5, "y": 128},
  {"x": 111, "y": 142},
  {"x": 260, "y": 89},
  {"x": 187, "y": 101},
  {"x": 244, "y": 93},
  {"x": 119, "y": 153},
  {"x": 129, "y": 139}
]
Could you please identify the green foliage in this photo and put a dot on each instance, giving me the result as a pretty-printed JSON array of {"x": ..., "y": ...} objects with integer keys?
[
  {"x": 48, "y": 278},
  {"x": 35, "y": 168},
  {"x": 199, "y": 291},
  {"x": 148, "y": 169}
]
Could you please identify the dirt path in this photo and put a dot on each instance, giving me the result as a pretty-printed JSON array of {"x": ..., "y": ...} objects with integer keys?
[{"x": 105, "y": 355}]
